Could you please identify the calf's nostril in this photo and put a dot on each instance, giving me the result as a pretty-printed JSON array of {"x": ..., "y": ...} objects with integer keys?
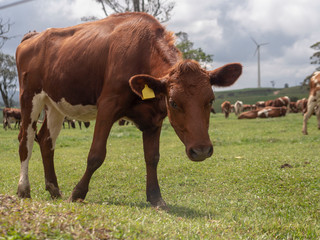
[{"x": 200, "y": 153}]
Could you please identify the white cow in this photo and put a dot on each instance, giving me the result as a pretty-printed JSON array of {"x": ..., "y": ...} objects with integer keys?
[{"x": 238, "y": 107}]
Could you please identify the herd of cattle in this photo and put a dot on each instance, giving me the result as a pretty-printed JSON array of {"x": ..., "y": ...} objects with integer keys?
[
  {"x": 13, "y": 115},
  {"x": 264, "y": 109},
  {"x": 281, "y": 106}
]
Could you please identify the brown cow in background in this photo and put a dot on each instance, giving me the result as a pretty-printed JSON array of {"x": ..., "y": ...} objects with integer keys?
[
  {"x": 125, "y": 65},
  {"x": 226, "y": 108},
  {"x": 282, "y": 102},
  {"x": 11, "y": 115},
  {"x": 301, "y": 105},
  {"x": 260, "y": 104}
]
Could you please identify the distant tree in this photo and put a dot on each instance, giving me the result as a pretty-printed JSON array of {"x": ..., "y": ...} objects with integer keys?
[
  {"x": 8, "y": 78},
  {"x": 315, "y": 59},
  {"x": 4, "y": 29},
  {"x": 286, "y": 85},
  {"x": 160, "y": 9},
  {"x": 186, "y": 47},
  {"x": 273, "y": 83}
]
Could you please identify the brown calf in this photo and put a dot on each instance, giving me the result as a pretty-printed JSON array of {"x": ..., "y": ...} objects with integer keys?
[
  {"x": 125, "y": 65},
  {"x": 313, "y": 104}
]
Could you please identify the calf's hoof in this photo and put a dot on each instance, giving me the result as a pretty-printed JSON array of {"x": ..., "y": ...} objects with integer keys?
[
  {"x": 53, "y": 190},
  {"x": 23, "y": 192},
  {"x": 77, "y": 196},
  {"x": 159, "y": 204}
]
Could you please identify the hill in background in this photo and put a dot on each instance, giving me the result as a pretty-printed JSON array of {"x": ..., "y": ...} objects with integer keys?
[{"x": 253, "y": 95}]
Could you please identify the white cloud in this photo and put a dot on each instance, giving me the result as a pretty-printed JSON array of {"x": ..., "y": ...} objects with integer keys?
[{"x": 293, "y": 17}]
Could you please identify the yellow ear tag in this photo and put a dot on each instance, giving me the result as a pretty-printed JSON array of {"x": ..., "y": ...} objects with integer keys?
[{"x": 147, "y": 93}]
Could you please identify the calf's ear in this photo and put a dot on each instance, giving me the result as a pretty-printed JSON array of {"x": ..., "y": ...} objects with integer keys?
[
  {"x": 146, "y": 86},
  {"x": 226, "y": 75}
]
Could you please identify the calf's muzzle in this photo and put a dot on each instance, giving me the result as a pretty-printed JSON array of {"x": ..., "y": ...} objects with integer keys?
[{"x": 199, "y": 153}]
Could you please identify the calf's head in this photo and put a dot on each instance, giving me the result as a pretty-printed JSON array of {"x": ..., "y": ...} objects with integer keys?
[{"x": 189, "y": 96}]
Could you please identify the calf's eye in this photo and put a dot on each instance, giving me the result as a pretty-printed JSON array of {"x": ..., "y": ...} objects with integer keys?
[{"x": 173, "y": 104}]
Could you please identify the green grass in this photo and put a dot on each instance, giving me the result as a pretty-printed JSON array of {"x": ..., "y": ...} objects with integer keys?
[{"x": 242, "y": 192}]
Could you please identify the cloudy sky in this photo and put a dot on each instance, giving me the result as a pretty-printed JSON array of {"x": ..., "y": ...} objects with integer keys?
[{"x": 224, "y": 28}]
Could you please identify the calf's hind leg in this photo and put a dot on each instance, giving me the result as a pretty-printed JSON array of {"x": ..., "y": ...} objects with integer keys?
[
  {"x": 307, "y": 115},
  {"x": 30, "y": 110},
  {"x": 47, "y": 138}
]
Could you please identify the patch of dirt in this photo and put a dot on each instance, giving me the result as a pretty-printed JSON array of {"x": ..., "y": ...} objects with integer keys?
[
  {"x": 286, "y": 165},
  {"x": 28, "y": 219}
]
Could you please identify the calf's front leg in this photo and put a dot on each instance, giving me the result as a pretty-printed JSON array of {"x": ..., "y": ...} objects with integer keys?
[
  {"x": 97, "y": 154},
  {"x": 152, "y": 155}
]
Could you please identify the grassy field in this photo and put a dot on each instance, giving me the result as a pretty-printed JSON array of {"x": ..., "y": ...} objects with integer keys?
[{"x": 263, "y": 182}]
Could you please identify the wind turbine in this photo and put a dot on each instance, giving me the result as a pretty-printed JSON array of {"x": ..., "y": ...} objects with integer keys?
[
  {"x": 258, "y": 50},
  {"x": 14, "y": 4}
]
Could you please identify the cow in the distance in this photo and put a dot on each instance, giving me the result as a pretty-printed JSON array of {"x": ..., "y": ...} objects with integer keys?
[
  {"x": 248, "y": 107},
  {"x": 238, "y": 107},
  {"x": 293, "y": 107},
  {"x": 260, "y": 104},
  {"x": 270, "y": 112},
  {"x": 226, "y": 108},
  {"x": 125, "y": 65},
  {"x": 86, "y": 124},
  {"x": 282, "y": 102},
  {"x": 11, "y": 115},
  {"x": 267, "y": 112},
  {"x": 268, "y": 103},
  {"x": 301, "y": 105},
  {"x": 249, "y": 114},
  {"x": 313, "y": 104},
  {"x": 72, "y": 123}
]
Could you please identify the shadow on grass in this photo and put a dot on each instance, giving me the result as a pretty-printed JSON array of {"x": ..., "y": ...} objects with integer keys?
[
  {"x": 176, "y": 210},
  {"x": 186, "y": 212}
]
